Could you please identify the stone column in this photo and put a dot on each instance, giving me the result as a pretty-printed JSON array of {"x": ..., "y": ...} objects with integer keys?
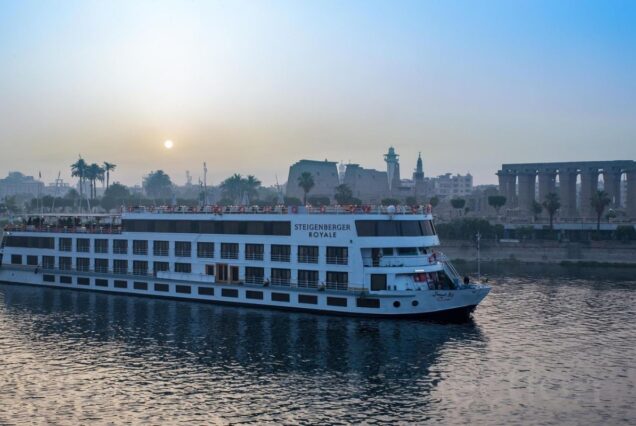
[
  {"x": 547, "y": 183},
  {"x": 508, "y": 187},
  {"x": 612, "y": 185},
  {"x": 567, "y": 193},
  {"x": 589, "y": 184},
  {"x": 631, "y": 194},
  {"x": 526, "y": 191}
]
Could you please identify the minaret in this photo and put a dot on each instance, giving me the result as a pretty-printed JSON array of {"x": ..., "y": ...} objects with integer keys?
[
  {"x": 392, "y": 168},
  {"x": 418, "y": 176}
]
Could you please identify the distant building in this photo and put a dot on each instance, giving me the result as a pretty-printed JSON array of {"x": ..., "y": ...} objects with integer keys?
[
  {"x": 325, "y": 174},
  {"x": 452, "y": 186},
  {"x": 18, "y": 184},
  {"x": 371, "y": 186}
]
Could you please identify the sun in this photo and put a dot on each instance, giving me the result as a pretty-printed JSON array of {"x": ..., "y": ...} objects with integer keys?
[{"x": 168, "y": 144}]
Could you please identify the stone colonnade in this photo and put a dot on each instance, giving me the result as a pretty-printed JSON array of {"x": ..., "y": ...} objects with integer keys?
[{"x": 517, "y": 183}]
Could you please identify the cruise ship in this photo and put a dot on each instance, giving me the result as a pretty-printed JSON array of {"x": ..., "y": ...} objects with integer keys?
[{"x": 368, "y": 261}]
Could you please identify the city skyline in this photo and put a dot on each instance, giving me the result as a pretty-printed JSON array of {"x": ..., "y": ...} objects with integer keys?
[{"x": 253, "y": 88}]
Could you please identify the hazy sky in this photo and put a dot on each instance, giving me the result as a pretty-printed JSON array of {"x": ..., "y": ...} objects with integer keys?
[{"x": 252, "y": 87}]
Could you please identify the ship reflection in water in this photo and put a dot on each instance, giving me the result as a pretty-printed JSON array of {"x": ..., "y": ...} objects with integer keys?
[{"x": 78, "y": 357}]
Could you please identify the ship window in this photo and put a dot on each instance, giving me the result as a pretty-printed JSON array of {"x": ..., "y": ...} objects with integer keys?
[
  {"x": 161, "y": 248},
  {"x": 307, "y": 254},
  {"x": 162, "y": 226},
  {"x": 160, "y": 266},
  {"x": 183, "y": 289},
  {"x": 32, "y": 242},
  {"x": 307, "y": 279},
  {"x": 255, "y": 228},
  {"x": 407, "y": 251},
  {"x": 387, "y": 251},
  {"x": 253, "y": 294},
  {"x": 337, "y": 255},
  {"x": 83, "y": 264},
  {"x": 83, "y": 281},
  {"x": 386, "y": 228},
  {"x": 337, "y": 301},
  {"x": 206, "y": 291},
  {"x": 308, "y": 299},
  {"x": 101, "y": 265},
  {"x": 363, "y": 302},
  {"x": 121, "y": 284},
  {"x": 101, "y": 246},
  {"x": 254, "y": 251},
  {"x": 65, "y": 244},
  {"x": 229, "y": 292},
  {"x": 183, "y": 248},
  {"x": 140, "y": 285},
  {"x": 140, "y": 267},
  {"x": 120, "y": 266},
  {"x": 254, "y": 275},
  {"x": 281, "y": 276},
  {"x": 32, "y": 260},
  {"x": 140, "y": 247},
  {"x": 209, "y": 227},
  {"x": 120, "y": 246},
  {"x": 280, "y": 253},
  {"x": 209, "y": 269},
  {"x": 16, "y": 259},
  {"x": 48, "y": 262},
  {"x": 378, "y": 282},
  {"x": 65, "y": 279},
  {"x": 101, "y": 283},
  {"x": 184, "y": 268},
  {"x": 205, "y": 250},
  {"x": 280, "y": 297},
  {"x": 65, "y": 263},
  {"x": 162, "y": 287},
  {"x": 83, "y": 245},
  {"x": 48, "y": 278},
  {"x": 337, "y": 280},
  {"x": 394, "y": 228},
  {"x": 229, "y": 250}
]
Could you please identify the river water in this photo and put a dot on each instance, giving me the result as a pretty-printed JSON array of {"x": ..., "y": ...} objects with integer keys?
[{"x": 543, "y": 348}]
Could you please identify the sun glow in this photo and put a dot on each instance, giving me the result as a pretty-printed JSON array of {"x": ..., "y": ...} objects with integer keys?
[{"x": 168, "y": 144}]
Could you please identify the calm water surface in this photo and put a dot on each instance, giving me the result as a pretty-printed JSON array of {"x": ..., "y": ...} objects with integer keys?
[{"x": 560, "y": 349}]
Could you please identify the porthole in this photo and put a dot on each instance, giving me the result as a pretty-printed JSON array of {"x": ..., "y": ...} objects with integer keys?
[
  {"x": 396, "y": 304},
  {"x": 415, "y": 303}
]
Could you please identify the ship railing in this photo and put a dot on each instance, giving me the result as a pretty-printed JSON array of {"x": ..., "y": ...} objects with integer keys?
[
  {"x": 64, "y": 230},
  {"x": 253, "y": 256},
  {"x": 281, "y": 209},
  {"x": 280, "y": 258},
  {"x": 337, "y": 260},
  {"x": 307, "y": 259}
]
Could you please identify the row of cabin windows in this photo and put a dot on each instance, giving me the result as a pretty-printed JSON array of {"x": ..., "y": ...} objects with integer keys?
[
  {"x": 279, "y": 252},
  {"x": 209, "y": 291},
  {"x": 310, "y": 299},
  {"x": 253, "y": 275},
  {"x": 395, "y": 228},
  {"x": 225, "y": 227}
]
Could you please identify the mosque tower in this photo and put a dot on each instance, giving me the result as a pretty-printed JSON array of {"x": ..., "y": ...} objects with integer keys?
[
  {"x": 418, "y": 175},
  {"x": 392, "y": 169}
]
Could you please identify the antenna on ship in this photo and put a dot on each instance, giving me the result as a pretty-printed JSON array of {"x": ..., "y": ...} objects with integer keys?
[
  {"x": 478, "y": 238},
  {"x": 205, "y": 184}
]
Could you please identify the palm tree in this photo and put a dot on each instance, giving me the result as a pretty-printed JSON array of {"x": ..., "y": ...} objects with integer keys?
[
  {"x": 306, "y": 182},
  {"x": 108, "y": 167},
  {"x": 94, "y": 173},
  {"x": 551, "y": 205},
  {"x": 600, "y": 200},
  {"x": 251, "y": 184},
  {"x": 78, "y": 170},
  {"x": 232, "y": 188}
]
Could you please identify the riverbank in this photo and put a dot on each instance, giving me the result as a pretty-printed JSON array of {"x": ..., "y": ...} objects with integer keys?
[{"x": 593, "y": 253}]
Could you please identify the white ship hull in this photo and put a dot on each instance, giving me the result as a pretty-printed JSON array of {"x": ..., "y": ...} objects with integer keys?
[{"x": 447, "y": 304}]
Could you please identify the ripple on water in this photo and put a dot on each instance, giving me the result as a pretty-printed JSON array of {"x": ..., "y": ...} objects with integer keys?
[{"x": 540, "y": 351}]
